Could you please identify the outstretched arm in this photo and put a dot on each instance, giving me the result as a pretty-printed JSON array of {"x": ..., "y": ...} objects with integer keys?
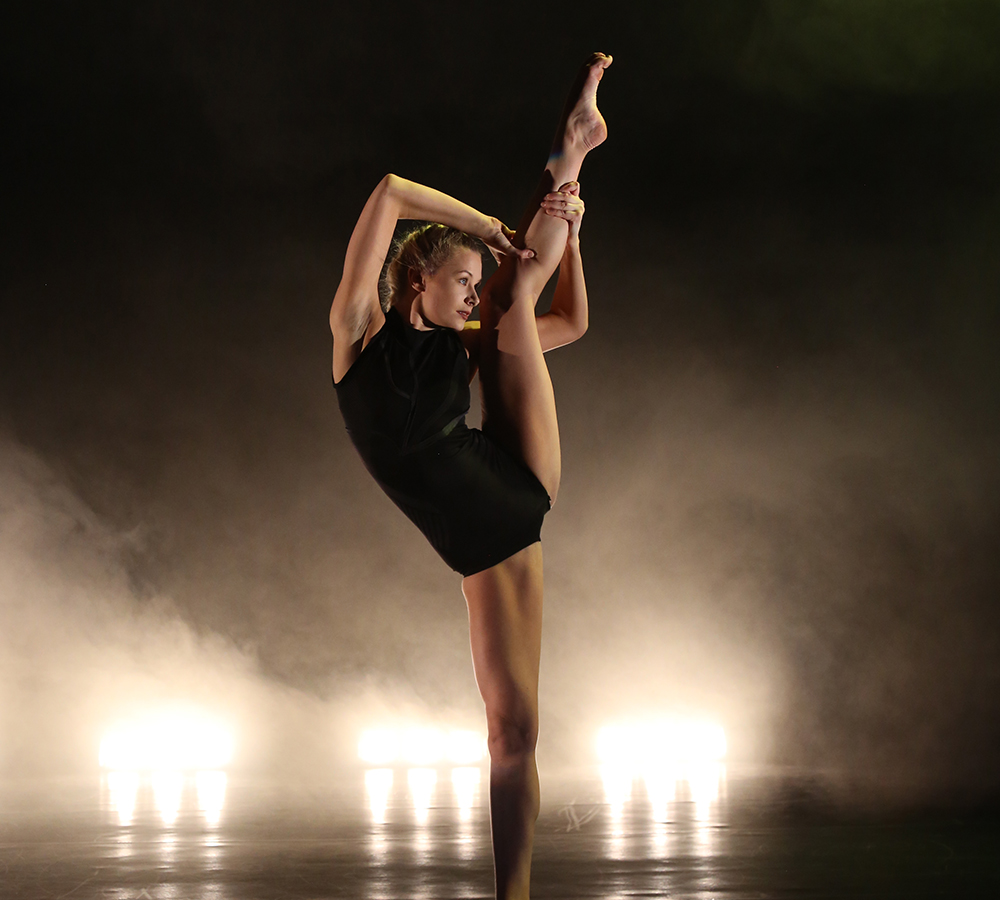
[
  {"x": 567, "y": 318},
  {"x": 355, "y": 313}
]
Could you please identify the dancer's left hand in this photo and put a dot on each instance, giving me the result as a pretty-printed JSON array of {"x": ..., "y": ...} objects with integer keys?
[
  {"x": 499, "y": 241},
  {"x": 566, "y": 204}
]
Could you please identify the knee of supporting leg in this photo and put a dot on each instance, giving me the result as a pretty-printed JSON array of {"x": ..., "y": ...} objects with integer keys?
[{"x": 510, "y": 738}]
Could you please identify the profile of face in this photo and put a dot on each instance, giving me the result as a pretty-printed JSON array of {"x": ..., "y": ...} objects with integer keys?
[{"x": 446, "y": 297}]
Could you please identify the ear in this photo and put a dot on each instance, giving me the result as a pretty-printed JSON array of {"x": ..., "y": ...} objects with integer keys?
[{"x": 415, "y": 278}]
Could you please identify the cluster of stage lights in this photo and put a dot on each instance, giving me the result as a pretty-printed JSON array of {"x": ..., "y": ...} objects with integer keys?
[
  {"x": 173, "y": 749},
  {"x": 675, "y": 759},
  {"x": 642, "y": 745},
  {"x": 421, "y": 746},
  {"x": 422, "y": 751},
  {"x": 168, "y": 752}
]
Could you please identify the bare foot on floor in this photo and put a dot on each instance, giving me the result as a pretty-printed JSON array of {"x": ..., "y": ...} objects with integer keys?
[{"x": 582, "y": 126}]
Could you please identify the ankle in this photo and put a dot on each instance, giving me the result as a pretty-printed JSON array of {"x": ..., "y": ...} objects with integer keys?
[{"x": 564, "y": 164}]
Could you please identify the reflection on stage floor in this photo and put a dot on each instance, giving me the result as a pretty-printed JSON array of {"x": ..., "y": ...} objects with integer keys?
[{"x": 423, "y": 833}]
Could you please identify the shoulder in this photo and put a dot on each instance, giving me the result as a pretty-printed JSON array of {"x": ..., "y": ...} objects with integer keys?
[{"x": 470, "y": 338}]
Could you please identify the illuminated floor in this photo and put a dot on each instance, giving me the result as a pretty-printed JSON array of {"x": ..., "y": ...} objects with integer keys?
[{"x": 424, "y": 834}]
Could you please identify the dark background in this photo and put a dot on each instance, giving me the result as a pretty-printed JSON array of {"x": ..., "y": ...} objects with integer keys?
[{"x": 780, "y": 496}]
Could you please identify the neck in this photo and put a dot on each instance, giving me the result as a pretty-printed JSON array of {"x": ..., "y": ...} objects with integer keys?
[{"x": 410, "y": 308}]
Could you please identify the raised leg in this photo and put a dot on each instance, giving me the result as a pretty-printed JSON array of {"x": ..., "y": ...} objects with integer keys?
[
  {"x": 519, "y": 409},
  {"x": 505, "y": 625}
]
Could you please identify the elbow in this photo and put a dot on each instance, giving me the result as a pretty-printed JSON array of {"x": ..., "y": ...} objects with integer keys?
[
  {"x": 578, "y": 329},
  {"x": 390, "y": 195},
  {"x": 389, "y": 185},
  {"x": 572, "y": 328}
]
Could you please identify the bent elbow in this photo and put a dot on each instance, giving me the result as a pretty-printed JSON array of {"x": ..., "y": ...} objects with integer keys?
[
  {"x": 576, "y": 331},
  {"x": 389, "y": 185}
]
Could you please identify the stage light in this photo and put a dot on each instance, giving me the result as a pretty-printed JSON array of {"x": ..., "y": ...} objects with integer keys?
[
  {"x": 661, "y": 788},
  {"x": 167, "y": 789},
  {"x": 666, "y": 742},
  {"x": 123, "y": 787},
  {"x": 465, "y": 782},
  {"x": 378, "y": 786},
  {"x": 421, "y": 782},
  {"x": 465, "y": 747},
  {"x": 423, "y": 746},
  {"x": 168, "y": 742},
  {"x": 211, "y": 789},
  {"x": 704, "y": 781},
  {"x": 378, "y": 747},
  {"x": 617, "y": 783},
  {"x": 420, "y": 745}
]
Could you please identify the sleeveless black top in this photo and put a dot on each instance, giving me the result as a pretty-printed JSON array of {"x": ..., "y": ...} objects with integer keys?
[{"x": 404, "y": 401}]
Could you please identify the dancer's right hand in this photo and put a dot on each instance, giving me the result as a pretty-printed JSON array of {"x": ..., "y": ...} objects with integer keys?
[
  {"x": 498, "y": 241},
  {"x": 565, "y": 203}
]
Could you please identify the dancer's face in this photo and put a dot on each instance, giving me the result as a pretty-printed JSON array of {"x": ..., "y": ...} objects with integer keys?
[{"x": 449, "y": 295}]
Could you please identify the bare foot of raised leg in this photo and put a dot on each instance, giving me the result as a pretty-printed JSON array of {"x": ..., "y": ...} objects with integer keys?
[
  {"x": 582, "y": 126},
  {"x": 580, "y": 129}
]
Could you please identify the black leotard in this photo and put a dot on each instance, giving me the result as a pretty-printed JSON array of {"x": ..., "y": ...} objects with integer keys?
[{"x": 404, "y": 402}]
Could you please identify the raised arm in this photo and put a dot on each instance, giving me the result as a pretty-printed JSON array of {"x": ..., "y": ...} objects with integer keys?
[
  {"x": 355, "y": 314},
  {"x": 567, "y": 318}
]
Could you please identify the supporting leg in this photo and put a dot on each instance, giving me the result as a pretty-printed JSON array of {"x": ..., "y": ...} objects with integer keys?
[
  {"x": 519, "y": 411},
  {"x": 505, "y": 625}
]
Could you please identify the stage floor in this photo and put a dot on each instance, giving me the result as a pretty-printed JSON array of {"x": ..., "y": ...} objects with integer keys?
[{"x": 423, "y": 834}]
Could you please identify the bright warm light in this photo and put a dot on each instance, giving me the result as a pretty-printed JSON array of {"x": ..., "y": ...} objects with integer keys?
[
  {"x": 122, "y": 789},
  {"x": 378, "y": 786},
  {"x": 617, "y": 787},
  {"x": 167, "y": 788},
  {"x": 465, "y": 747},
  {"x": 423, "y": 746},
  {"x": 420, "y": 746},
  {"x": 170, "y": 741},
  {"x": 705, "y": 781},
  {"x": 661, "y": 788},
  {"x": 379, "y": 747},
  {"x": 644, "y": 746},
  {"x": 421, "y": 782},
  {"x": 465, "y": 782},
  {"x": 211, "y": 788}
]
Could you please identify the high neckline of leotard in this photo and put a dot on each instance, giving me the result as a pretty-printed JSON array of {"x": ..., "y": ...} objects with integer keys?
[{"x": 395, "y": 318}]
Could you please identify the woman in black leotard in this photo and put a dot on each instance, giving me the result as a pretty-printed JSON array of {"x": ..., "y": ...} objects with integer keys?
[{"x": 402, "y": 376}]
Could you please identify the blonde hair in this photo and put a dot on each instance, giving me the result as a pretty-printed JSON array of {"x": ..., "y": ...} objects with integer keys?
[{"x": 425, "y": 248}]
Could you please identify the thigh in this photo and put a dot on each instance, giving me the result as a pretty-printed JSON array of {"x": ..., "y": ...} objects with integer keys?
[
  {"x": 519, "y": 408},
  {"x": 505, "y": 626}
]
